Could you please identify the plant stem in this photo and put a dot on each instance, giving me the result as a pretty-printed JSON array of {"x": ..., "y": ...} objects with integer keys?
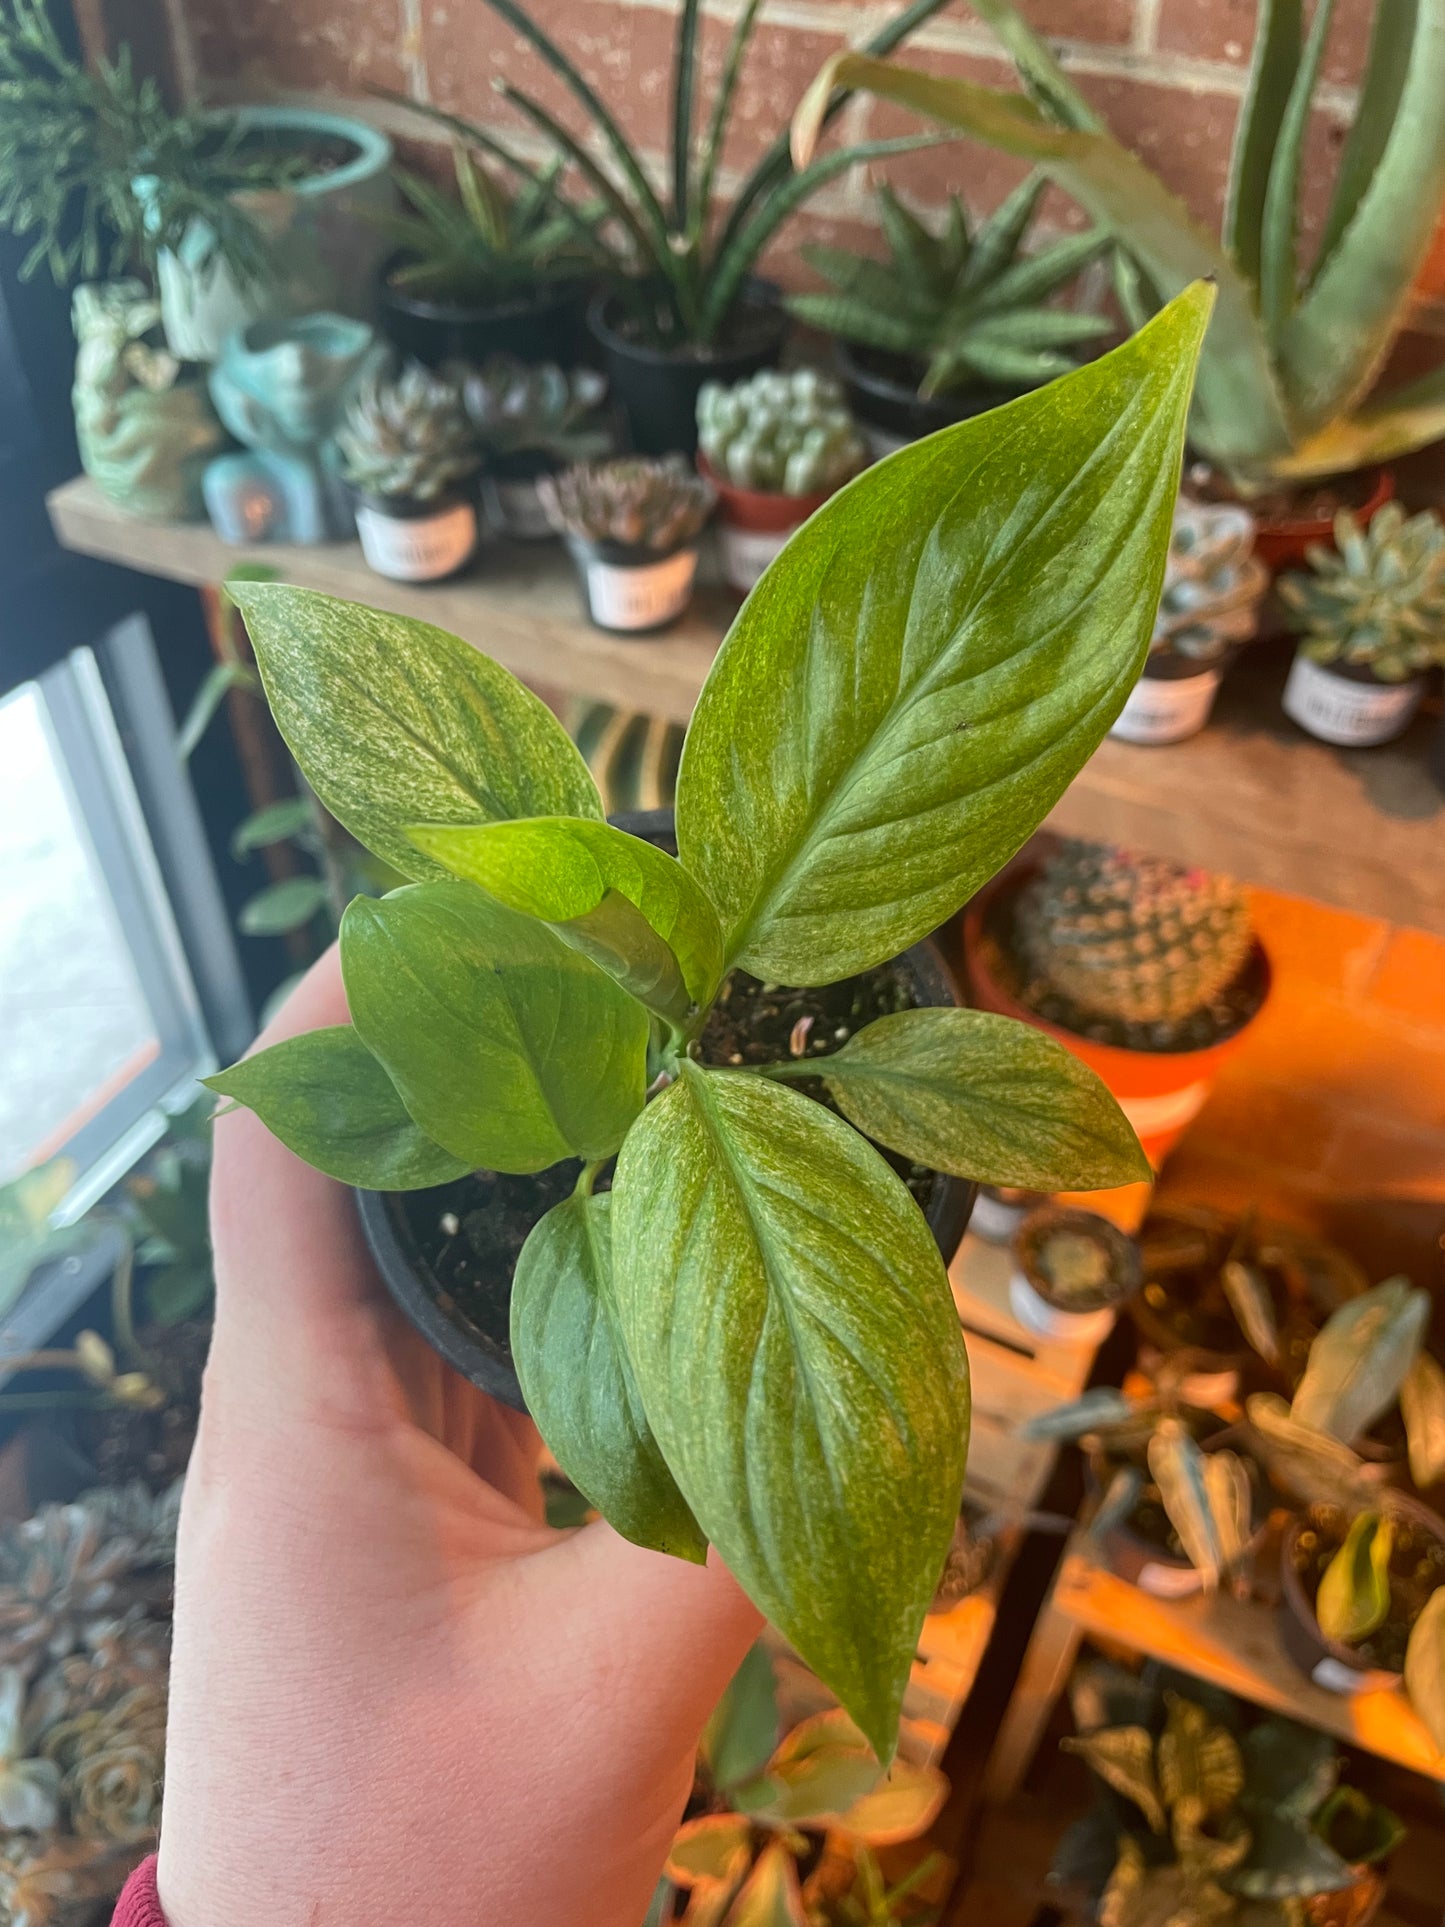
[
  {"x": 587, "y": 1177},
  {"x": 122, "y": 1308}
]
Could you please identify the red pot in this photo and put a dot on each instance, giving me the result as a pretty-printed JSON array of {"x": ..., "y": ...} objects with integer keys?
[
  {"x": 1161, "y": 1092},
  {"x": 1281, "y": 543},
  {"x": 754, "y": 524}
]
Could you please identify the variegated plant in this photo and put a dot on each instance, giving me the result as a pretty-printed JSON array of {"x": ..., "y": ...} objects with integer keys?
[
  {"x": 1294, "y": 352},
  {"x": 1355, "y": 1598}
]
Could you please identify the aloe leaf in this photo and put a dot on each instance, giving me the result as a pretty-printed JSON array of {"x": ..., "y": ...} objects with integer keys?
[
  {"x": 1353, "y": 1600},
  {"x": 684, "y": 85},
  {"x": 1272, "y": 69},
  {"x": 850, "y": 320},
  {"x": 1359, "y": 1360},
  {"x": 1176, "y": 1466},
  {"x": 1425, "y": 1667},
  {"x": 1123, "y": 1758},
  {"x": 1404, "y": 418},
  {"x": 1422, "y": 1407},
  {"x": 912, "y": 248},
  {"x": 1278, "y": 258},
  {"x": 1037, "y": 275},
  {"x": 1252, "y": 1303},
  {"x": 1042, "y": 76},
  {"x": 1392, "y": 36}
]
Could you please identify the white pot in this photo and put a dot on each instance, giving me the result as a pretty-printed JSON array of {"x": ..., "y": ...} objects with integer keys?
[
  {"x": 417, "y": 547},
  {"x": 1037, "y": 1315},
  {"x": 747, "y": 552},
  {"x": 1167, "y": 709},
  {"x": 635, "y": 597},
  {"x": 1338, "y": 709}
]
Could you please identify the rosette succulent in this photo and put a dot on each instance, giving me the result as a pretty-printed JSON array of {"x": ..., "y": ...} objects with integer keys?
[
  {"x": 1377, "y": 598},
  {"x": 407, "y": 438},
  {"x": 652, "y": 503},
  {"x": 1213, "y": 582},
  {"x": 516, "y": 408}
]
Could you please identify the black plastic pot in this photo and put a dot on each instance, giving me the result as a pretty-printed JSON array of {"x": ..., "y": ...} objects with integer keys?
[
  {"x": 883, "y": 391},
  {"x": 485, "y": 1358},
  {"x": 1336, "y": 1667},
  {"x": 545, "y": 325},
  {"x": 657, "y": 388}
]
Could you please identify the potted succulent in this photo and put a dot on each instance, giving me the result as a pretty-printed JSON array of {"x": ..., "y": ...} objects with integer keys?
[
  {"x": 530, "y": 419},
  {"x": 1149, "y": 971},
  {"x": 952, "y": 323},
  {"x": 1371, "y": 620},
  {"x": 1213, "y": 586},
  {"x": 774, "y": 448},
  {"x": 487, "y": 272},
  {"x": 684, "y": 306},
  {"x": 533, "y": 1004},
  {"x": 410, "y": 456},
  {"x": 1286, "y": 410},
  {"x": 632, "y": 526},
  {"x": 1073, "y": 1269}
]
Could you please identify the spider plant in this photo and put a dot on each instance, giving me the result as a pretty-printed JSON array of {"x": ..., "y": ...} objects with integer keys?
[{"x": 692, "y": 258}]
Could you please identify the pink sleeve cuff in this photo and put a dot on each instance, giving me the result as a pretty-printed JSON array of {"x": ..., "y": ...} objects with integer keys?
[{"x": 139, "y": 1904}]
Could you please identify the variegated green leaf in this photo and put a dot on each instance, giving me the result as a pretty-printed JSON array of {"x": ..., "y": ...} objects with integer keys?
[
  {"x": 1231, "y": 1497},
  {"x": 1201, "y": 1771},
  {"x": 906, "y": 1800},
  {"x": 1123, "y": 1758},
  {"x": 1422, "y": 1407},
  {"x": 1312, "y": 1466},
  {"x": 770, "y": 1896},
  {"x": 1253, "y": 1306},
  {"x": 1176, "y": 1466},
  {"x": 1353, "y": 1600},
  {"x": 1425, "y": 1667},
  {"x": 1358, "y": 1362}
]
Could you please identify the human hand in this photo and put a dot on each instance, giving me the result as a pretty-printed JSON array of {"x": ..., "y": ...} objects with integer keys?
[{"x": 395, "y": 1692}]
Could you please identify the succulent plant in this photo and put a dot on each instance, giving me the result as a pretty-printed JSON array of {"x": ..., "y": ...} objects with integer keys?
[
  {"x": 971, "y": 307},
  {"x": 1213, "y": 582},
  {"x": 1377, "y": 598},
  {"x": 406, "y": 437},
  {"x": 789, "y": 434},
  {"x": 654, "y": 503},
  {"x": 110, "y": 1759},
  {"x": 515, "y": 408},
  {"x": 1133, "y": 938}
]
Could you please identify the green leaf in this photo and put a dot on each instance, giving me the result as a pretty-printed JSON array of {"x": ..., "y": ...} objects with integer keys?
[
  {"x": 982, "y": 1097},
  {"x": 801, "y": 1364},
  {"x": 579, "y": 1386},
  {"x": 506, "y": 1046},
  {"x": 287, "y": 905},
  {"x": 1176, "y": 1466},
  {"x": 1422, "y": 1407},
  {"x": 711, "y": 1851},
  {"x": 739, "y": 1739},
  {"x": 1288, "y": 1768},
  {"x": 1392, "y": 38},
  {"x": 684, "y": 83},
  {"x": 1404, "y": 418},
  {"x": 275, "y": 824},
  {"x": 908, "y": 1799},
  {"x": 395, "y": 722},
  {"x": 1425, "y": 1667},
  {"x": 1200, "y": 1767},
  {"x": 1358, "y": 1362},
  {"x": 1278, "y": 257},
  {"x": 1252, "y": 1303},
  {"x": 566, "y": 871},
  {"x": 1288, "y": 1860},
  {"x": 1353, "y": 1600},
  {"x": 822, "y": 1767},
  {"x": 246, "y": 572},
  {"x": 932, "y": 659},
  {"x": 216, "y": 685},
  {"x": 1357, "y": 1828},
  {"x": 770, "y": 1896},
  {"x": 1271, "y": 75},
  {"x": 329, "y": 1100},
  {"x": 1123, "y": 1758},
  {"x": 1312, "y": 1466}
]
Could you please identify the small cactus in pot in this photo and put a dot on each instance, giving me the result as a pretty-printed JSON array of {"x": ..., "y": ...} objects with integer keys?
[
  {"x": 776, "y": 446},
  {"x": 632, "y": 525},
  {"x": 410, "y": 454},
  {"x": 1371, "y": 620},
  {"x": 529, "y": 421}
]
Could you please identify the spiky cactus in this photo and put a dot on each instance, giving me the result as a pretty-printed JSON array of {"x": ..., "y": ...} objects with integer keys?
[
  {"x": 517, "y": 409},
  {"x": 789, "y": 434},
  {"x": 1213, "y": 582},
  {"x": 652, "y": 503},
  {"x": 1131, "y": 938},
  {"x": 407, "y": 438},
  {"x": 1377, "y": 599}
]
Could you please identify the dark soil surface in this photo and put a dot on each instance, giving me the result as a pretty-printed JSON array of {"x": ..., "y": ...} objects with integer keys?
[
  {"x": 124, "y": 1443},
  {"x": 1284, "y": 504},
  {"x": 263, "y": 156},
  {"x": 1417, "y": 1568}
]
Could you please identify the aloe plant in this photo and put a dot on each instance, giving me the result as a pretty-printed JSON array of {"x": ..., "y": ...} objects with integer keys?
[
  {"x": 773, "y": 1360},
  {"x": 686, "y": 262},
  {"x": 1293, "y": 353}
]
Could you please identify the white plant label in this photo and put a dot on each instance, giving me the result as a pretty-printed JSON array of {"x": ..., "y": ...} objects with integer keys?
[
  {"x": 1035, "y": 1314},
  {"x": 420, "y": 550},
  {"x": 1169, "y": 1582},
  {"x": 993, "y": 1220},
  {"x": 1166, "y": 710},
  {"x": 1336, "y": 1677},
  {"x": 640, "y": 598},
  {"x": 1354, "y": 715},
  {"x": 747, "y": 552},
  {"x": 1170, "y": 1111}
]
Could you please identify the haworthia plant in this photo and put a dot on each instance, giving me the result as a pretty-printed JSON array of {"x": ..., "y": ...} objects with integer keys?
[
  {"x": 1294, "y": 353},
  {"x": 1360, "y": 1360},
  {"x": 773, "y": 1363}
]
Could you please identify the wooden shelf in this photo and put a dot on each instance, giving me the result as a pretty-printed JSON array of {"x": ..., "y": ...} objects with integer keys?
[{"x": 1251, "y": 796}]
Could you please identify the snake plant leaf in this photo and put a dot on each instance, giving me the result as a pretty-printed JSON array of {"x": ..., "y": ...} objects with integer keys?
[
  {"x": 1279, "y": 237},
  {"x": 507, "y": 1046},
  {"x": 712, "y": 1851},
  {"x": 982, "y": 1097},
  {"x": 740, "y": 1735},
  {"x": 1353, "y": 1600},
  {"x": 1272, "y": 68},
  {"x": 1103, "y": 1406},
  {"x": 1253, "y": 1306},
  {"x": 1123, "y": 1758},
  {"x": 1288, "y": 1860},
  {"x": 1314, "y": 1467},
  {"x": 578, "y": 1384},
  {"x": 1288, "y": 1768},
  {"x": 1201, "y": 1769},
  {"x": 908, "y": 691},
  {"x": 1176, "y": 1466},
  {"x": 906, "y": 1800},
  {"x": 1422, "y": 1407},
  {"x": 770, "y": 1896},
  {"x": 801, "y": 1365},
  {"x": 1425, "y": 1667},
  {"x": 331, "y": 1102},
  {"x": 394, "y": 722},
  {"x": 1341, "y": 331},
  {"x": 822, "y": 1767},
  {"x": 1358, "y": 1362},
  {"x": 631, "y": 908},
  {"x": 1240, "y": 416}
]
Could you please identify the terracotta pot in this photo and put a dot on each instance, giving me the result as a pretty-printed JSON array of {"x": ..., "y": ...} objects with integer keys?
[
  {"x": 753, "y": 524},
  {"x": 1281, "y": 542},
  {"x": 1160, "y": 1092},
  {"x": 1328, "y": 1662},
  {"x": 1352, "y": 1906}
]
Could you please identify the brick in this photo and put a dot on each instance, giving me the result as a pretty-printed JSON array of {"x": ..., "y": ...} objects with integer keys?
[
  {"x": 980, "y": 174},
  {"x": 1312, "y": 943},
  {"x": 1224, "y": 30},
  {"x": 783, "y": 260},
  {"x": 1410, "y": 980},
  {"x": 1183, "y": 137},
  {"x": 1279, "y": 1128},
  {"x": 1099, "y": 23},
  {"x": 343, "y": 46}
]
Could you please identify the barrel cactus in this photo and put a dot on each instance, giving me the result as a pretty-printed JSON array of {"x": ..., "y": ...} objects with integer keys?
[
  {"x": 1134, "y": 939},
  {"x": 784, "y": 434},
  {"x": 1377, "y": 599},
  {"x": 406, "y": 438},
  {"x": 518, "y": 409},
  {"x": 652, "y": 503},
  {"x": 1213, "y": 582}
]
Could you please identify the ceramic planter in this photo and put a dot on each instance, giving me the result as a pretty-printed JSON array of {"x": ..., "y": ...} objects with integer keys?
[
  {"x": 483, "y": 1356},
  {"x": 1160, "y": 1092},
  {"x": 1346, "y": 704},
  {"x": 417, "y": 541},
  {"x": 753, "y": 524},
  {"x": 543, "y": 325},
  {"x": 634, "y": 592},
  {"x": 1328, "y": 1663},
  {"x": 1171, "y": 701},
  {"x": 1041, "y": 1305},
  {"x": 882, "y": 392},
  {"x": 321, "y": 244},
  {"x": 657, "y": 388}
]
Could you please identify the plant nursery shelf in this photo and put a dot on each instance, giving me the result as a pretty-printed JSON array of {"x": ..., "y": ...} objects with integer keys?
[{"x": 1250, "y": 796}]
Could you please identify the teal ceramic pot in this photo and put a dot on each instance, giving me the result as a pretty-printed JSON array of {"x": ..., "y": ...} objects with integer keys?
[{"x": 324, "y": 246}]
